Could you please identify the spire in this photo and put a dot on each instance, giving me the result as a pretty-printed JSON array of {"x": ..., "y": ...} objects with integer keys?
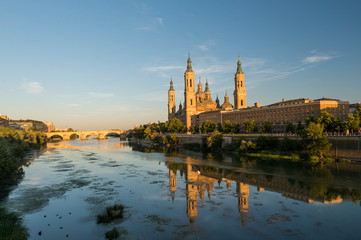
[
  {"x": 239, "y": 68},
  {"x": 180, "y": 106},
  {"x": 217, "y": 101},
  {"x": 171, "y": 84},
  {"x": 200, "y": 87},
  {"x": 189, "y": 63},
  {"x": 226, "y": 105},
  {"x": 226, "y": 98},
  {"x": 207, "y": 89}
]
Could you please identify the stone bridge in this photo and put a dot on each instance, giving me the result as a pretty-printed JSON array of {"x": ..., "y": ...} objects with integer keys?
[{"x": 101, "y": 134}]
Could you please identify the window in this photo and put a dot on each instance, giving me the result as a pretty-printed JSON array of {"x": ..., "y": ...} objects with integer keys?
[
  {"x": 241, "y": 102},
  {"x": 241, "y": 84},
  {"x": 191, "y": 101},
  {"x": 191, "y": 83}
]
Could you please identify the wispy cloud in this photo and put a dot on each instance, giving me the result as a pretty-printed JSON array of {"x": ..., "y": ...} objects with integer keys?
[
  {"x": 164, "y": 71},
  {"x": 318, "y": 57},
  {"x": 33, "y": 87},
  {"x": 101, "y": 95},
  {"x": 154, "y": 23},
  {"x": 163, "y": 68},
  {"x": 159, "y": 20},
  {"x": 205, "y": 46}
]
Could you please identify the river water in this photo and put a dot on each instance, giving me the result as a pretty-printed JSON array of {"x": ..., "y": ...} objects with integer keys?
[{"x": 182, "y": 195}]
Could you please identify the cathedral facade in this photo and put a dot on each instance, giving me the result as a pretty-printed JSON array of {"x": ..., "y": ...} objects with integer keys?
[
  {"x": 196, "y": 102},
  {"x": 199, "y": 107}
]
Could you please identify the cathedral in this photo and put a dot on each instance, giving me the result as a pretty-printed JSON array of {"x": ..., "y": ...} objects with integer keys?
[
  {"x": 196, "y": 102},
  {"x": 199, "y": 107}
]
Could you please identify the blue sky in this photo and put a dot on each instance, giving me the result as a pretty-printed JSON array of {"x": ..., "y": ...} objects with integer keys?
[{"x": 107, "y": 64}]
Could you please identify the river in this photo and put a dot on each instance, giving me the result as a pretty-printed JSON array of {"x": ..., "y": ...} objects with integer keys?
[{"x": 182, "y": 195}]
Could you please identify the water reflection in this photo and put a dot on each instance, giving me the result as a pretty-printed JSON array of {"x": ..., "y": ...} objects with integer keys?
[
  {"x": 202, "y": 178},
  {"x": 183, "y": 195}
]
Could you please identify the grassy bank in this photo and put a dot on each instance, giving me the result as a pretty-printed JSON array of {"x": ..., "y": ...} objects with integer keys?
[
  {"x": 13, "y": 147},
  {"x": 11, "y": 226}
]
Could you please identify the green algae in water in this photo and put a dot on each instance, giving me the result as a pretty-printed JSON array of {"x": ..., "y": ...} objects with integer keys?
[{"x": 112, "y": 213}]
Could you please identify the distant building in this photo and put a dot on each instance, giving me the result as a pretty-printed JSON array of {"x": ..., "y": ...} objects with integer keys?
[
  {"x": 352, "y": 107},
  {"x": 51, "y": 126},
  {"x": 26, "y": 124},
  {"x": 199, "y": 107},
  {"x": 4, "y": 121}
]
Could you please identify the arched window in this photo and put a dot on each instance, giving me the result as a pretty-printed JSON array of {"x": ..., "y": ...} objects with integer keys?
[
  {"x": 241, "y": 102},
  {"x": 191, "y": 83},
  {"x": 191, "y": 101},
  {"x": 241, "y": 84}
]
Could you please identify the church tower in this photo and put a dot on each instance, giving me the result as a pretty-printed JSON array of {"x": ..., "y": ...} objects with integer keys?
[
  {"x": 190, "y": 103},
  {"x": 240, "y": 92},
  {"x": 171, "y": 99}
]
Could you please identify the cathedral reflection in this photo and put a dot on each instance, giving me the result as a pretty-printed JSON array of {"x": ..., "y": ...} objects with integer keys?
[
  {"x": 197, "y": 184},
  {"x": 200, "y": 180}
]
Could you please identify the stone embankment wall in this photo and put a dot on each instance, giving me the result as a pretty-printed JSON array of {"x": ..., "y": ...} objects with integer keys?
[{"x": 342, "y": 146}]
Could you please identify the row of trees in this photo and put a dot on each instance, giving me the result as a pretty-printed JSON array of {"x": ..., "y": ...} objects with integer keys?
[
  {"x": 314, "y": 143},
  {"x": 13, "y": 146},
  {"x": 326, "y": 119},
  {"x": 330, "y": 122}
]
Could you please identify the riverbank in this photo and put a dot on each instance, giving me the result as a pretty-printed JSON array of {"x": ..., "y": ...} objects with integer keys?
[
  {"x": 282, "y": 147},
  {"x": 14, "y": 144}
]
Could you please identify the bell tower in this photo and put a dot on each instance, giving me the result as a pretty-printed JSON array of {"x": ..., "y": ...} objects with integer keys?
[
  {"x": 171, "y": 99},
  {"x": 240, "y": 92},
  {"x": 190, "y": 103}
]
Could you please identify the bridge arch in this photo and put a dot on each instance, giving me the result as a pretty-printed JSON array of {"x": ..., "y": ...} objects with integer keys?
[{"x": 101, "y": 134}]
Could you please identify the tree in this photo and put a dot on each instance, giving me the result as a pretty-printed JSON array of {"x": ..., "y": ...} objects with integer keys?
[
  {"x": 212, "y": 142},
  {"x": 339, "y": 125},
  {"x": 300, "y": 127},
  {"x": 327, "y": 120},
  {"x": 266, "y": 127},
  {"x": 236, "y": 128},
  {"x": 208, "y": 127},
  {"x": 290, "y": 128},
  {"x": 316, "y": 144},
  {"x": 70, "y": 130},
  {"x": 250, "y": 126},
  {"x": 194, "y": 129},
  {"x": 174, "y": 125},
  {"x": 310, "y": 119},
  {"x": 219, "y": 127},
  {"x": 227, "y": 128},
  {"x": 31, "y": 129},
  {"x": 352, "y": 123},
  {"x": 357, "y": 111}
]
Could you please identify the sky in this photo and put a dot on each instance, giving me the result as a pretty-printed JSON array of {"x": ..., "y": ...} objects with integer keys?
[{"x": 93, "y": 65}]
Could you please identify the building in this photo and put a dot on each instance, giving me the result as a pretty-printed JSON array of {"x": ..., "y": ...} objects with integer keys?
[
  {"x": 51, "y": 126},
  {"x": 199, "y": 107},
  {"x": 26, "y": 124},
  {"x": 352, "y": 107},
  {"x": 4, "y": 121}
]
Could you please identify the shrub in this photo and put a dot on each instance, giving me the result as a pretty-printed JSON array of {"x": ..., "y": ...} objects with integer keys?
[
  {"x": 288, "y": 144},
  {"x": 212, "y": 142},
  {"x": 170, "y": 140},
  {"x": 208, "y": 127},
  {"x": 247, "y": 145},
  {"x": 266, "y": 142}
]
